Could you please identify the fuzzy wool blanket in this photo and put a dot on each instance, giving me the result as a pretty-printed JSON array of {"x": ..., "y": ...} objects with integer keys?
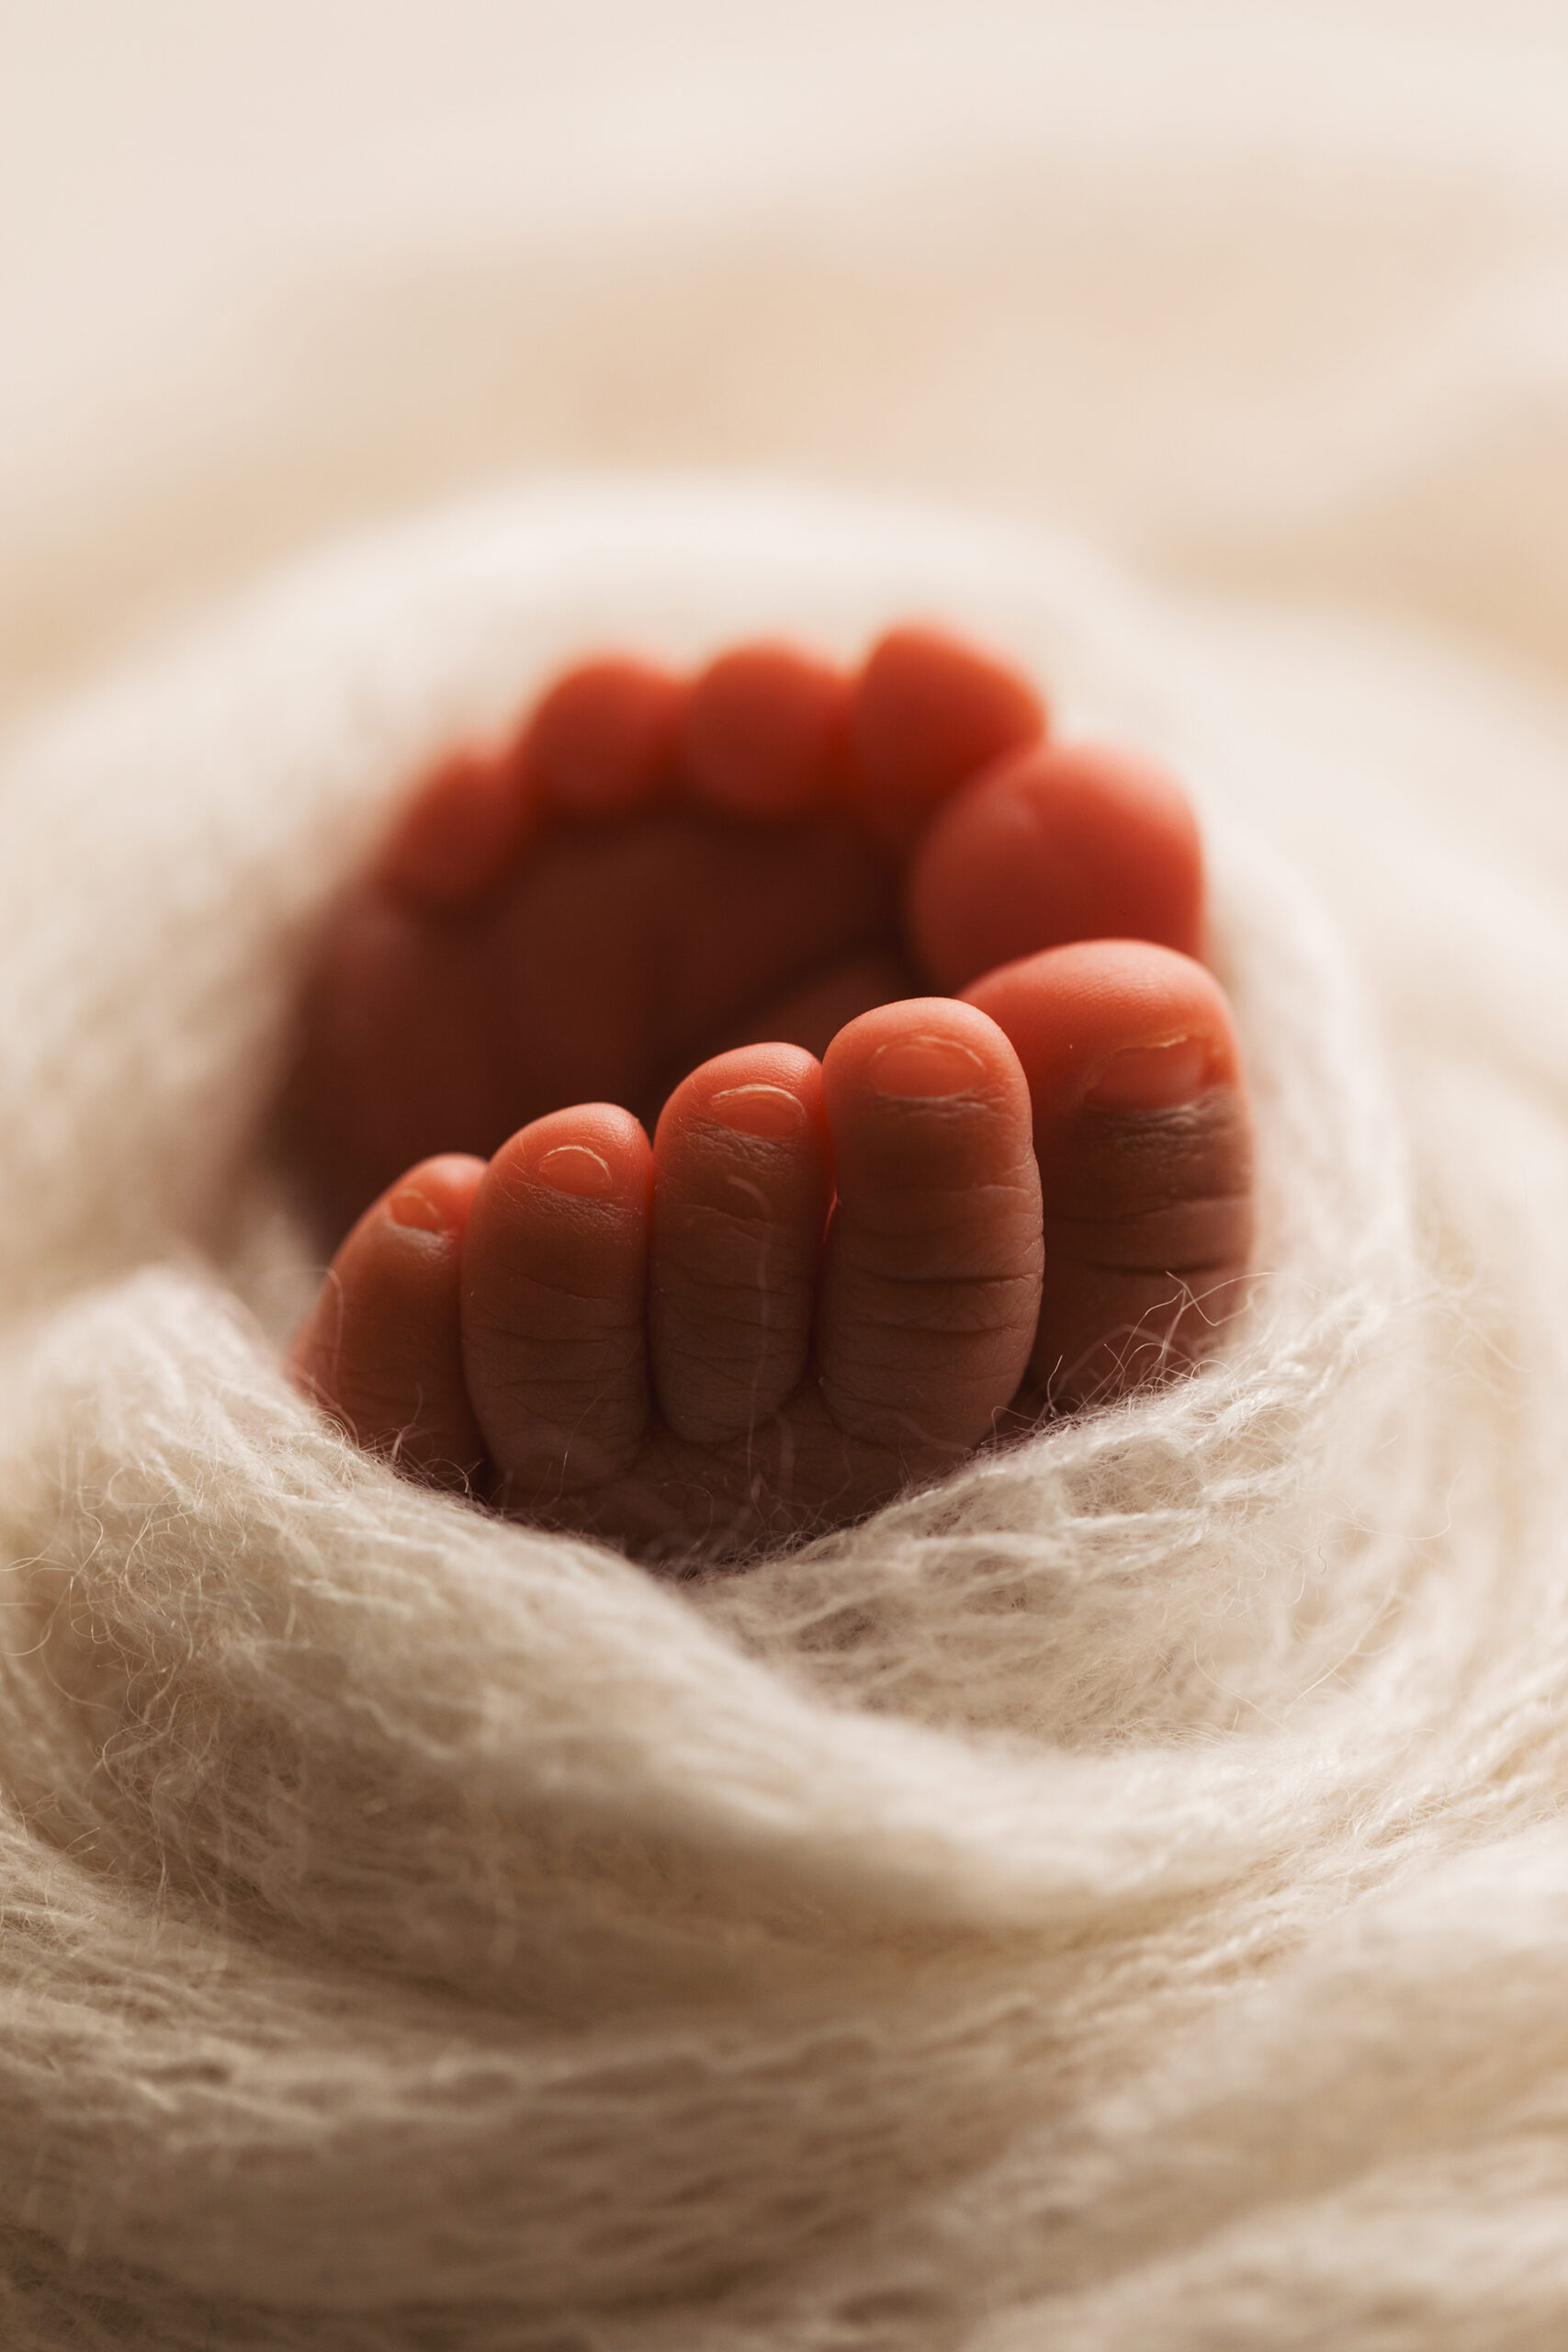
[{"x": 1117, "y": 1897}]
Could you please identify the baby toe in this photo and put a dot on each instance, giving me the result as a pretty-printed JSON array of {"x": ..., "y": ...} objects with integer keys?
[
  {"x": 458, "y": 836},
  {"x": 553, "y": 1277},
  {"x": 1056, "y": 842},
  {"x": 741, "y": 1188},
  {"x": 1142, "y": 1138},
  {"x": 929, "y": 711},
  {"x": 602, "y": 741},
  {"x": 931, "y": 1282},
  {"x": 381, "y": 1350},
  {"x": 764, "y": 732}
]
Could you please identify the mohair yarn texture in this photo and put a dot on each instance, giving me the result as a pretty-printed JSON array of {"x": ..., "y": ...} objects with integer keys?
[{"x": 1116, "y": 1898}]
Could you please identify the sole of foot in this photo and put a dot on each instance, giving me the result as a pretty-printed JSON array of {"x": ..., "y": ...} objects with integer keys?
[{"x": 949, "y": 1129}]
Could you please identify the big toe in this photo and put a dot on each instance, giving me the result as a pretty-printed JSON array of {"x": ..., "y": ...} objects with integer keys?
[
  {"x": 1051, "y": 844},
  {"x": 1142, "y": 1138}
]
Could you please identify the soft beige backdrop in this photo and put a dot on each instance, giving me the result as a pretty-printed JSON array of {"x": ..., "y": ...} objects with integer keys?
[{"x": 1266, "y": 296}]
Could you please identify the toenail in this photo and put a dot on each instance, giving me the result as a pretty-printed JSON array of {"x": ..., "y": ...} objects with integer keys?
[
  {"x": 925, "y": 1067},
  {"x": 1152, "y": 1078},
  {"x": 573, "y": 1168},
  {"x": 772, "y": 1112},
  {"x": 407, "y": 1205}
]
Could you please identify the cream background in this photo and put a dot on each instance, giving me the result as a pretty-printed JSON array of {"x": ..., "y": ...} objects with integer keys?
[{"x": 1264, "y": 295}]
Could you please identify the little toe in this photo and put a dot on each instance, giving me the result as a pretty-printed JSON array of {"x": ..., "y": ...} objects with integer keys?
[
  {"x": 764, "y": 732},
  {"x": 930, "y": 1286},
  {"x": 929, "y": 711},
  {"x": 1142, "y": 1138},
  {"x": 381, "y": 1350},
  {"x": 459, "y": 833},
  {"x": 742, "y": 1184},
  {"x": 553, "y": 1280},
  {"x": 602, "y": 741},
  {"x": 1054, "y": 843}
]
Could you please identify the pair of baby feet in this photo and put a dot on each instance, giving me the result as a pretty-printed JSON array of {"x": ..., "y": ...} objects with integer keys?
[{"x": 949, "y": 1129}]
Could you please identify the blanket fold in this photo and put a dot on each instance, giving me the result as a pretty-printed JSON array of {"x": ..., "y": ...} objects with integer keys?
[{"x": 1113, "y": 1896}]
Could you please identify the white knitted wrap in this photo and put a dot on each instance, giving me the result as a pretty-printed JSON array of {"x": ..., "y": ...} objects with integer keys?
[{"x": 1116, "y": 1898}]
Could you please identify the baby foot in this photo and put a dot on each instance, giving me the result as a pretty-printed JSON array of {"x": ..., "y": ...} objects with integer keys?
[{"x": 824, "y": 1280}]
